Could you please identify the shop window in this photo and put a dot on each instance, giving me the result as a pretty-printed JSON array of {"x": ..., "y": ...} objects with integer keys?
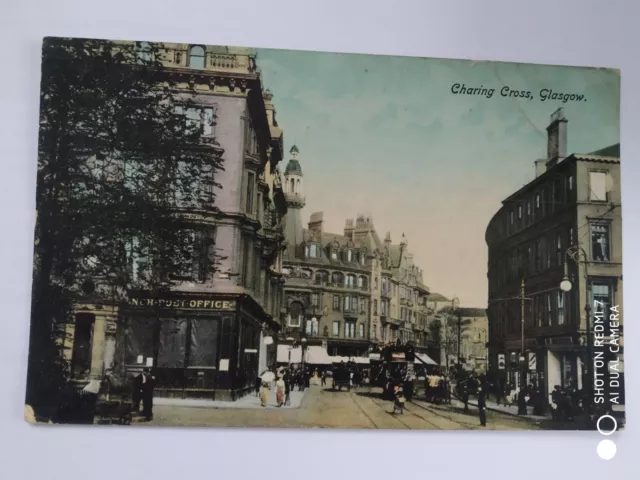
[
  {"x": 82, "y": 342},
  {"x": 600, "y": 243},
  {"x": 173, "y": 341},
  {"x": 196, "y": 56},
  {"x": 204, "y": 336},
  {"x": 139, "y": 341},
  {"x": 336, "y": 328},
  {"x": 598, "y": 186}
]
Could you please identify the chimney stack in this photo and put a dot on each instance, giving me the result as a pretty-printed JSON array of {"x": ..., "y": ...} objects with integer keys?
[
  {"x": 540, "y": 166},
  {"x": 348, "y": 228},
  {"x": 556, "y": 138}
]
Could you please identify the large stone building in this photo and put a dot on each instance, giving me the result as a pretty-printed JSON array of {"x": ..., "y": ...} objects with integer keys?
[
  {"x": 205, "y": 336},
  {"x": 574, "y": 201},
  {"x": 350, "y": 291}
]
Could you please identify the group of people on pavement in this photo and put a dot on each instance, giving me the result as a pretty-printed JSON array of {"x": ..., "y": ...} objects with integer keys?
[{"x": 285, "y": 381}]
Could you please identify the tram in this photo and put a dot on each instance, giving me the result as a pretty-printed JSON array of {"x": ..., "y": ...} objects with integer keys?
[{"x": 397, "y": 362}]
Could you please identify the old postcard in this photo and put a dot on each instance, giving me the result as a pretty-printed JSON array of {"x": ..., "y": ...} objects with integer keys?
[{"x": 235, "y": 237}]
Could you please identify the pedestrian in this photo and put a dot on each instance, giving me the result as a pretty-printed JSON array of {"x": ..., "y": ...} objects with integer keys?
[
  {"x": 137, "y": 392},
  {"x": 287, "y": 389},
  {"x": 398, "y": 403},
  {"x": 482, "y": 407},
  {"x": 499, "y": 390},
  {"x": 147, "y": 394},
  {"x": 465, "y": 394},
  {"x": 280, "y": 391}
]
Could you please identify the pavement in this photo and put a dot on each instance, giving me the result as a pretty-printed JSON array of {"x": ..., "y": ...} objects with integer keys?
[
  {"x": 320, "y": 407},
  {"x": 247, "y": 402}
]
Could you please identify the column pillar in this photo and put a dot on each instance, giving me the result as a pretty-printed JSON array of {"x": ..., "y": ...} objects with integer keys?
[{"x": 97, "y": 347}]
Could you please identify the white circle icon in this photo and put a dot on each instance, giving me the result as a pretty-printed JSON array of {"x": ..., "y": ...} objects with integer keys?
[
  {"x": 607, "y": 449},
  {"x": 615, "y": 425}
]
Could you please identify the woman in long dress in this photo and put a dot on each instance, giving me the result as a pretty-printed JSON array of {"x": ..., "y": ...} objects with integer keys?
[{"x": 280, "y": 393}]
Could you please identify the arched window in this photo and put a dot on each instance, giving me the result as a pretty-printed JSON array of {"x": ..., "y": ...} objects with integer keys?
[
  {"x": 144, "y": 52},
  {"x": 196, "y": 56},
  {"x": 293, "y": 184},
  {"x": 350, "y": 281},
  {"x": 349, "y": 255},
  {"x": 337, "y": 278},
  {"x": 295, "y": 314},
  {"x": 322, "y": 276},
  {"x": 298, "y": 186}
]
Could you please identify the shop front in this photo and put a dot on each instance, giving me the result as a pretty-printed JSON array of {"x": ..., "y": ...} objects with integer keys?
[{"x": 205, "y": 346}]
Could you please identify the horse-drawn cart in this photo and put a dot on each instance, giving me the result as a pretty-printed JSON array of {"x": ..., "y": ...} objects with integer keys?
[{"x": 342, "y": 378}]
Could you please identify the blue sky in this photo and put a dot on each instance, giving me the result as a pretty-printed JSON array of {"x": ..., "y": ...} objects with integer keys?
[{"x": 385, "y": 136}]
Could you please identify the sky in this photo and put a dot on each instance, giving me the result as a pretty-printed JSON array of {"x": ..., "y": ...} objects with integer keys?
[{"x": 385, "y": 136}]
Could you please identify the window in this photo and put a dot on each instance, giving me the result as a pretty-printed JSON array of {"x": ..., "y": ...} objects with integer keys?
[
  {"x": 362, "y": 305},
  {"x": 528, "y": 209},
  {"x": 144, "y": 53},
  {"x": 201, "y": 117},
  {"x": 560, "y": 306},
  {"x": 337, "y": 278},
  {"x": 602, "y": 301},
  {"x": 196, "y": 57},
  {"x": 349, "y": 255},
  {"x": 313, "y": 250},
  {"x": 375, "y": 334},
  {"x": 519, "y": 212},
  {"x": 511, "y": 216},
  {"x": 315, "y": 299},
  {"x": 571, "y": 242},
  {"x": 334, "y": 254},
  {"x": 570, "y": 183},
  {"x": 295, "y": 315},
  {"x": 375, "y": 282},
  {"x": 363, "y": 257},
  {"x": 350, "y": 281},
  {"x": 250, "y": 186},
  {"x": 383, "y": 307},
  {"x": 375, "y": 307},
  {"x": 336, "y": 328},
  {"x": 361, "y": 330},
  {"x": 598, "y": 186},
  {"x": 350, "y": 329},
  {"x": 549, "y": 310},
  {"x": 336, "y": 302},
  {"x": 600, "y": 243},
  {"x": 538, "y": 201},
  {"x": 559, "y": 250},
  {"x": 347, "y": 303},
  {"x": 321, "y": 277}
]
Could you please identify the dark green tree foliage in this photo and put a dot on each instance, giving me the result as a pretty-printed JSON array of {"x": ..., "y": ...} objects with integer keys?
[{"x": 123, "y": 155}]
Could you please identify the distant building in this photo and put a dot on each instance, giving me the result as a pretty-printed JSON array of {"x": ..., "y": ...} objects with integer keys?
[
  {"x": 574, "y": 201},
  {"x": 347, "y": 292}
]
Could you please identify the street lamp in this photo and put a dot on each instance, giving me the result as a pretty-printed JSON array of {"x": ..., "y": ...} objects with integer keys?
[
  {"x": 290, "y": 339},
  {"x": 304, "y": 344},
  {"x": 574, "y": 254},
  {"x": 522, "y": 401}
]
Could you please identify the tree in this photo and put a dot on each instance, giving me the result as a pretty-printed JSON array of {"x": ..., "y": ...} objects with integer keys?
[{"x": 123, "y": 157}]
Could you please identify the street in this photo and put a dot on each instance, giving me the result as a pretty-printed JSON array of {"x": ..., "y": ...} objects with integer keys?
[{"x": 324, "y": 408}]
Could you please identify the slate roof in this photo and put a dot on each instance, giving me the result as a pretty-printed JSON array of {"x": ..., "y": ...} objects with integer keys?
[{"x": 610, "y": 151}]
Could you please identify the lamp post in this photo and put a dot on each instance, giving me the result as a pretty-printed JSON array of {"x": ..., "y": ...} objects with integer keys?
[
  {"x": 574, "y": 254},
  {"x": 290, "y": 339},
  {"x": 522, "y": 404},
  {"x": 454, "y": 309},
  {"x": 303, "y": 342}
]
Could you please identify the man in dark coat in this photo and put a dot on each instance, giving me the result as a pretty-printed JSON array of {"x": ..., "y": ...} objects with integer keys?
[
  {"x": 137, "y": 392},
  {"x": 482, "y": 407},
  {"x": 147, "y": 394}
]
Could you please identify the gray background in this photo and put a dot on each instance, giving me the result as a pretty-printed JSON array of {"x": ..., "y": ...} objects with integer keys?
[{"x": 576, "y": 32}]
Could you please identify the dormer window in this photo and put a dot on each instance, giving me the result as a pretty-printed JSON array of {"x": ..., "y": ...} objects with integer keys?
[
  {"x": 196, "y": 56},
  {"x": 349, "y": 255},
  {"x": 334, "y": 254},
  {"x": 313, "y": 251}
]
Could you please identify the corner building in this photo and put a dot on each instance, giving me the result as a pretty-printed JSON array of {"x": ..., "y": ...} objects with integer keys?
[
  {"x": 346, "y": 292},
  {"x": 204, "y": 338},
  {"x": 574, "y": 201}
]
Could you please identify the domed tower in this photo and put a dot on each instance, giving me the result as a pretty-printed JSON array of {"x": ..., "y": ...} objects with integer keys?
[{"x": 293, "y": 187}]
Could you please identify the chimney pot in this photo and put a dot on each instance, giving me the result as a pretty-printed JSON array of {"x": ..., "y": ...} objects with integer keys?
[{"x": 556, "y": 138}]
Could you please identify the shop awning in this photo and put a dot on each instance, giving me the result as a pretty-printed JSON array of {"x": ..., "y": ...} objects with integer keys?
[
  {"x": 358, "y": 360},
  {"x": 283, "y": 354},
  {"x": 425, "y": 358},
  {"x": 316, "y": 355}
]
